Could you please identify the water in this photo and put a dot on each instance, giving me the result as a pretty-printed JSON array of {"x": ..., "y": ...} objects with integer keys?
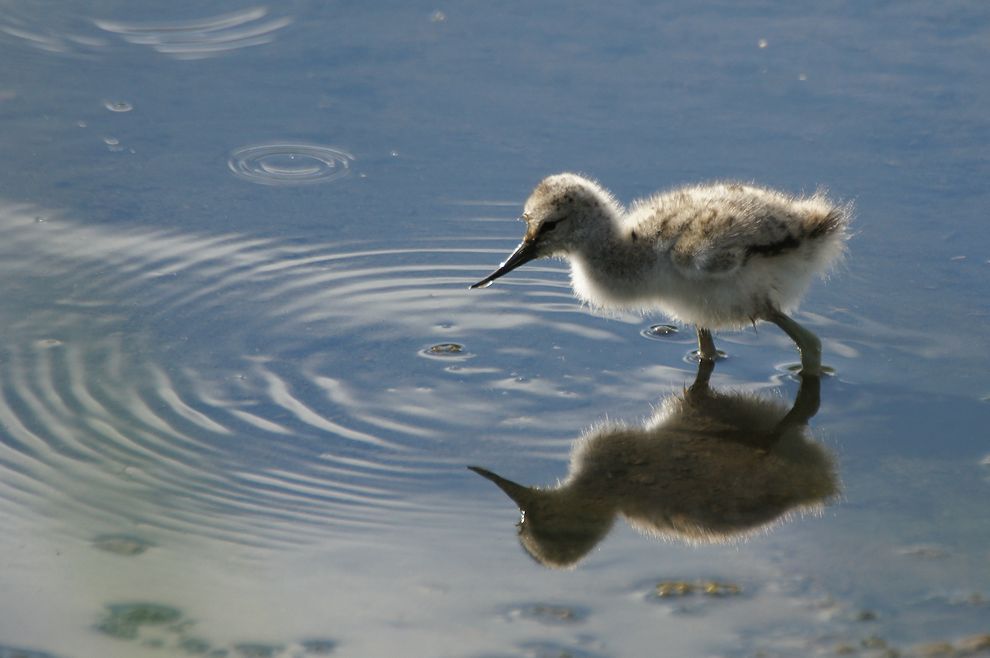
[{"x": 241, "y": 376}]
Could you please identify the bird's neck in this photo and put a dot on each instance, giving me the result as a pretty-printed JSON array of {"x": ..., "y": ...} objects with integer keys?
[
  {"x": 613, "y": 251},
  {"x": 608, "y": 269}
]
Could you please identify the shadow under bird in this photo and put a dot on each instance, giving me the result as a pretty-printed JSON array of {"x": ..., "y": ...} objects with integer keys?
[
  {"x": 708, "y": 467},
  {"x": 719, "y": 255}
]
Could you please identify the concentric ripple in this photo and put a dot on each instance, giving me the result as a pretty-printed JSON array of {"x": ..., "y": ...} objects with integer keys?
[
  {"x": 290, "y": 164},
  {"x": 254, "y": 390},
  {"x": 201, "y": 37},
  {"x": 60, "y": 28},
  {"x": 46, "y": 26}
]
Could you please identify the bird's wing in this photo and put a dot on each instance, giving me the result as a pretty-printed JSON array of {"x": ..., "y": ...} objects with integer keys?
[
  {"x": 706, "y": 259},
  {"x": 720, "y": 253}
]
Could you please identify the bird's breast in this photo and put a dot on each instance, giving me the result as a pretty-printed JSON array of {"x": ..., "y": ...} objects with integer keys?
[{"x": 619, "y": 278}]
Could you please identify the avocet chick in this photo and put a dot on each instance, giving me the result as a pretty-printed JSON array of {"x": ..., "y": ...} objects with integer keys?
[{"x": 719, "y": 255}]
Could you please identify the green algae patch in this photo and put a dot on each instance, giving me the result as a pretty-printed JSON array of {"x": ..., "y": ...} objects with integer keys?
[
  {"x": 124, "y": 545},
  {"x": 675, "y": 588},
  {"x": 254, "y": 650},
  {"x": 124, "y": 620}
]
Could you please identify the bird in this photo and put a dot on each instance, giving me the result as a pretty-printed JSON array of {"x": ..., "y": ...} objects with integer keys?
[
  {"x": 720, "y": 255},
  {"x": 708, "y": 467}
]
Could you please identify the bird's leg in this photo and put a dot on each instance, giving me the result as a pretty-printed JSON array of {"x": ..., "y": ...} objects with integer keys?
[
  {"x": 805, "y": 403},
  {"x": 807, "y": 342},
  {"x": 700, "y": 386},
  {"x": 805, "y": 406},
  {"x": 706, "y": 346}
]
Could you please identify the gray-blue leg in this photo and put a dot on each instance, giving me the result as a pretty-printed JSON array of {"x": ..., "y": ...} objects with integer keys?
[
  {"x": 807, "y": 342},
  {"x": 700, "y": 389}
]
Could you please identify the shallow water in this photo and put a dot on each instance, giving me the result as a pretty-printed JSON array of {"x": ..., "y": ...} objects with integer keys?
[{"x": 241, "y": 375}]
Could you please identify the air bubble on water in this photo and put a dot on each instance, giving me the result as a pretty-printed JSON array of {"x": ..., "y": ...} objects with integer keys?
[
  {"x": 446, "y": 348},
  {"x": 659, "y": 331},
  {"x": 118, "y": 106},
  {"x": 446, "y": 351},
  {"x": 793, "y": 370},
  {"x": 694, "y": 356}
]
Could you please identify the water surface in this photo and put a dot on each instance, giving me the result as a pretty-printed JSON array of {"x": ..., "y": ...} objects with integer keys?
[{"x": 241, "y": 375}]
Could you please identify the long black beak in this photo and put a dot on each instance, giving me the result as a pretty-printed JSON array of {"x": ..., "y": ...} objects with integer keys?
[
  {"x": 525, "y": 252},
  {"x": 521, "y": 496}
]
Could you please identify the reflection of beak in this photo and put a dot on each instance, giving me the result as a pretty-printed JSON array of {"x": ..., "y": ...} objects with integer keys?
[
  {"x": 525, "y": 252},
  {"x": 519, "y": 494}
]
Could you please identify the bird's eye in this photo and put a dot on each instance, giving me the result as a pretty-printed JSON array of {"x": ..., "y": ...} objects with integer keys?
[{"x": 546, "y": 227}]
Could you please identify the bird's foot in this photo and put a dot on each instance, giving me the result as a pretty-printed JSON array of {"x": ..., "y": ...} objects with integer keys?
[{"x": 706, "y": 346}]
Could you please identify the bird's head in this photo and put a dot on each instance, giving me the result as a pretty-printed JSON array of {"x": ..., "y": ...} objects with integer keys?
[
  {"x": 558, "y": 526},
  {"x": 564, "y": 212}
]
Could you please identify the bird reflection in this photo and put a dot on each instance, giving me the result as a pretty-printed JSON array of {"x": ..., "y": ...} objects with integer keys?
[{"x": 707, "y": 467}]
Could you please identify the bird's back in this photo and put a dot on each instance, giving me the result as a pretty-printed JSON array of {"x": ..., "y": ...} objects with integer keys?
[{"x": 716, "y": 228}]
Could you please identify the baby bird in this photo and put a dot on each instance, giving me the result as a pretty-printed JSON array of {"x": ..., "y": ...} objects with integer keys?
[{"x": 718, "y": 255}]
